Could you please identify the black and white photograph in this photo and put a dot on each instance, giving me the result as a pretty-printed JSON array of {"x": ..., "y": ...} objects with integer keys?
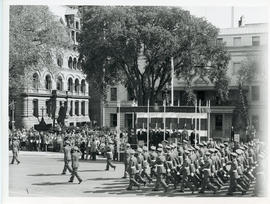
[{"x": 136, "y": 101}]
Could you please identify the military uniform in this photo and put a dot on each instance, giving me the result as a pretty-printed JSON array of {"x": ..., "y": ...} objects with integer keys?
[
  {"x": 109, "y": 156},
  {"x": 132, "y": 169},
  {"x": 67, "y": 157},
  {"x": 161, "y": 171},
  {"x": 126, "y": 159},
  {"x": 75, "y": 156}
]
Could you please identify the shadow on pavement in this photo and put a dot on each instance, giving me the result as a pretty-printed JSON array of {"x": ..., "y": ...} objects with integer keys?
[
  {"x": 103, "y": 179},
  {"x": 90, "y": 170},
  {"x": 44, "y": 175},
  {"x": 51, "y": 183}
]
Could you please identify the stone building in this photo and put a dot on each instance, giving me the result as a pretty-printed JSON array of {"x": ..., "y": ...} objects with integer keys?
[
  {"x": 243, "y": 42},
  {"x": 66, "y": 82}
]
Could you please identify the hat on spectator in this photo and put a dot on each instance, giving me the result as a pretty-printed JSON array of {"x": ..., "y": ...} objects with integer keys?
[
  {"x": 238, "y": 151},
  {"x": 197, "y": 147},
  {"x": 132, "y": 152},
  {"x": 139, "y": 150},
  {"x": 187, "y": 152},
  {"x": 144, "y": 148},
  {"x": 226, "y": 144},
  {"x": 160, "y": 145},
  {"x": 128, "y": 145},
  {"x": 207, "y": 153},
  {"x": 200, "y": 144},
  {"x": 221, "y": 146},
  {"x": 168, "y": 147},
  {"x": 233, "y": 154},
  {"x": 159, "y": 149},
  {"x": 153, "y": 148}
]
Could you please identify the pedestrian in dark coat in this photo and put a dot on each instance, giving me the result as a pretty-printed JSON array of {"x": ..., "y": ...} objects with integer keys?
[{"x": 15, "y": 151}]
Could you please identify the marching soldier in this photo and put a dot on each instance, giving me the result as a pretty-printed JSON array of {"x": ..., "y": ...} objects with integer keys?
[
  {"x": 145, "y": 164},
  {"x": 67, "y": 157},
  {"x": 207, "y": 171},
  {"x": 126, "y": 159},
  {"x": 153, "y": 157},
  {"x": 161, "y": 171},
  {"x": 140, "y": 159},
  {"x": 234, "y": 176},
  {"x": 75, "y": 156},
  {"x": 109, "y": 156},
  {"x": 132, "y": 169}
]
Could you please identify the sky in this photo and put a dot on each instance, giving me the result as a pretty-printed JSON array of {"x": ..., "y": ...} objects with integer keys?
[{"x": 221, "y": 16}]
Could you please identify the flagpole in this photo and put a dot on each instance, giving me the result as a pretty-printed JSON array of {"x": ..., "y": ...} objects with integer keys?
[
  {"x": 172, "y": 80},
  {"x": 164, "y": 119},
  {"x": 148, "y": 117}
]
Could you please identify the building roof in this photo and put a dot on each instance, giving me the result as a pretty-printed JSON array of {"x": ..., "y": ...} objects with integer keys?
[{"x": 246, "y": 29}]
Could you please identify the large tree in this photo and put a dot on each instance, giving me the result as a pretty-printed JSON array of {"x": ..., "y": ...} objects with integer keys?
[
  {"x": 115, "y": 39},
  {"x": 35, "y": 35}
]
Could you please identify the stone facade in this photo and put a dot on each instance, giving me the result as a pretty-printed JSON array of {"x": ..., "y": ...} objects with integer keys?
[{"x": 66, "y": 80}]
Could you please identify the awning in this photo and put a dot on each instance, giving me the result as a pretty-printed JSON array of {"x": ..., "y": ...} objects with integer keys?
[{"x": 172, "y": 115}]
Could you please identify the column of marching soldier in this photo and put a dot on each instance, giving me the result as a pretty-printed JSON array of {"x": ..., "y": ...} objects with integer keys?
[{"x": 199, "y": 167}]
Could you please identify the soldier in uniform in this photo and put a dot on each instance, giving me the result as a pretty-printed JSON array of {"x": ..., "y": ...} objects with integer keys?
[
  {"x": 132, "y": 169},
  {"x": 126, "y": 159},
  {"x": 207, "y": 171},
  {"x": 140, "y": 159},
  {"x": 161, "y": 171},
  {"x": 109, "y": 156},
  {"x": 75, "y": 156},
  {"x": 234, "y": 176},
  {"x": 153, "y": 157},
  {"x": 15, "y": 150},
  {"x": 145, "y": 164},
  {"x": 67, "y": 157}
]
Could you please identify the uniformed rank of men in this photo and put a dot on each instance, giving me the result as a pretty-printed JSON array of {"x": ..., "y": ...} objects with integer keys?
[{"x": 202, "y": 167}]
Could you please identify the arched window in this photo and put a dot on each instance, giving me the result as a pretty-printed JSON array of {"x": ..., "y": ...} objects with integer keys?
[
  {"x": 48, "y": 82},
  {"x": 70, "y": 62},
  {"x": 59, "y": 84},
  {"x": 59, "y": 60},
  {"x": 79, "y": 65},
  {"x": 83, "y": 86},
  {"x": 70, "y": 85},
  {"x": 77, "y": 84},
  {"x": 35, "y": 81},
  {"x": 74, "y": 63}
]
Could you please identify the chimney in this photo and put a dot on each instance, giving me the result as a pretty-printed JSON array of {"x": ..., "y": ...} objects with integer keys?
[
  {"x": 232, "y": 17},
  {"x": 241, "y": 21}
]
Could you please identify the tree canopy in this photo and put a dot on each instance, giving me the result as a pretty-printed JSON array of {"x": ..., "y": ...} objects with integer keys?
[
  {"x": 134, "y": 46},
  {"x": 35, "y": 34}
]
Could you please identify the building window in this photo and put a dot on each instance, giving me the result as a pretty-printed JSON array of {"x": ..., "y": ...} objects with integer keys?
[
  {"x": 77, "y": 25},
  {"x": 48, "y": 107},
  {"x": 236, "y": 67},
  {"x": 70, "y": 62},
  {"x": 77, "y": 108},
  {"x": 59, "y": 61},
  {"x": 255, "y": 93},
  {"x": 113, "y": 120},
  {"x": 77, "y": 37},
  {"x": 77, "y": 85},
  {"x": 35, "y": 107},
  {"x": 255, "y": 121},
  {"x": 70, "y": 85},
  {"x": 71, "y": 108},
  {"x": 73, "y": 35},
  {"x": 255, "y": 40},
  {"x": 59, "y": 84},
  {"x": 35, "y": 81},
  {"x": 219, "y": 121},
  {"x": 83, "y": 86},
  {"x": 74, "y": 63},
  {"x": 48, "y": 82},
  {"x": 237, "y": 41},
  {"x": 128, "y": 121},
  {"x": 219, "y": 41},
  {"x": 83, "y": 108},
  {"x": 113, "y": 94}
]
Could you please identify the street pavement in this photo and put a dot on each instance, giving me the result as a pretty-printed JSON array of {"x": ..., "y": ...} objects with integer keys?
[{"x": 39, "y": 175}]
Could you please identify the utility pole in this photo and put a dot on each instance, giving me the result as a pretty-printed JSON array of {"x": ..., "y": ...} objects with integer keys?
[{"x": 13, "y": 114}]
